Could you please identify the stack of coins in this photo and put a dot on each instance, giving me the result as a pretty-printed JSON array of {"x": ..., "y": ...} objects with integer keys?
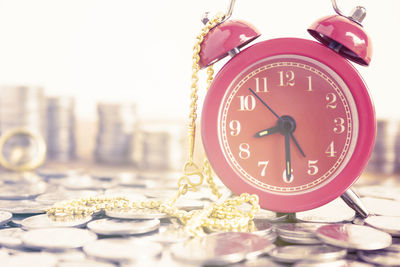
[
  {"x": 61, "y": 143},
  {"x": 21, "y": 107},
  {"x": 383, "y": 158},
  {"x": 160, "y": 145},
  {"x": 116, "y": 125}
]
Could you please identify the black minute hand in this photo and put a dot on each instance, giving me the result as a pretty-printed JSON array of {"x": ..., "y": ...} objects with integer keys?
[
  {"x": 265, "y": 104},
  {"x": 276, "y": 115}
]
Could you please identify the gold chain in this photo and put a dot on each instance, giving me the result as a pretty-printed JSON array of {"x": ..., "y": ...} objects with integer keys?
[{"x": 224, "y": 216}]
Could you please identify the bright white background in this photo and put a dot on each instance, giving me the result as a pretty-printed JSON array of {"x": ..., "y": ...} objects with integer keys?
[{"x": 140, "y": 51}]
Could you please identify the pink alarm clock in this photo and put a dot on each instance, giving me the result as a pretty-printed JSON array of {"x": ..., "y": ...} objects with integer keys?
[{"x": 289, "y": 119}]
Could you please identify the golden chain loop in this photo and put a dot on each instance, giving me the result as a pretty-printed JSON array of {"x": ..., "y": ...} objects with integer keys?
[
  {"x": 195, "y": 78},
  {"x": 224, "y": 216}
]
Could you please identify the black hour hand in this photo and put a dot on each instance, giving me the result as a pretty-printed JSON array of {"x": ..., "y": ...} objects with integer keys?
[{"x": 266, "y": 132}]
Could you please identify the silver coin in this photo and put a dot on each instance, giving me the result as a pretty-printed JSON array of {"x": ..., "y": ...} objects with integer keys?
[
  {"x": 271, "y": 216},
  {"x": 41, "y": 259},
  {"x": 272, "y": 237},
  {"x": 333, "y": 212},
  {"x": 136, "y": 213},
  {"x": 385, "y": 207},
  {"x": 22, "y": 190},
  {"x": 379, "y": 191},
  {"x": 169, "y": 234},
  {"x": 51, "y": 198},
  {"x": 11, "y": 237},
  {"x": 25, "y": 206},
  {"x": 259, "y": 262},
  {"x": 338, "y": 263},
  {"x": 298, "y": 229},
  {"x": 389, "y": 224},
  {"x": 189, "y": 204},
  {"x": 381, "y": 257},
  {"x": 57, "y": 238},
  {"x": 395, "y": 246},
  {"x": 122, "y": 250},
  {"x": 133, "y": 194},
  {"x": 44, "y": 221},
  {"x": 84, "y": 263},
  {"x": 296, "y": 253},
  {"x": 354, "y": 236},
  {"x": 83, "y": 182},
  {"x": 300, "y": 240},
  {"x": 209, "y": 250},
  {"x": 262, "y": 227},
  {"x": 75, "y": 254},
  {"x": 221, "y": 248},
  {"x": 5, "y": 217},
  {"x": 123, "y": 227}
]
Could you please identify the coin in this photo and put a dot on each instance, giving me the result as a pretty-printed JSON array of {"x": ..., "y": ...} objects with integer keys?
[
  {"x": 51, "y": 198},
  {"x": 389, "y": 224},
  {"x": 21, "y": 190},
  {"x": 333, "y": 212},
  {"x": 296, "y": 253},
  {"x": 354, "y": 236},
  {"x": 298, "y": 229},
  {"x": 209, "y": 250},
  {"x": 11, "y": 237},
  {"x": 337, "y": 263},
  {"x": 169, "y": 234},
  {"x": 41, "y": 259},
  {"x": 123, "y": 227},
  {"x": 259, "y": 262},
  {"x": 262, "y": 227},
  {"x": 136, "y": 213},
  {"x": 25, "y": 206},
  {"x": 381, "y": 257},
  {"x": 57, "y": 238},
  {"x": 385, "y": 207},
  {"x": 270, "y": 216},
  {"x": 5, "y": 217},
  {"x": 44, "y": 221},
  {"x": 122, "y": 250},
  {"x": 221, "y": 248},
  {"x": 84, "y": 263},
  {"x": 380, "y": 191}
]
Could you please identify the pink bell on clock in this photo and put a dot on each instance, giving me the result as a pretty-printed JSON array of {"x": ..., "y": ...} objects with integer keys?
[
  {"x": 345, "y": 35},
  {"x": 226, "y": 39}
]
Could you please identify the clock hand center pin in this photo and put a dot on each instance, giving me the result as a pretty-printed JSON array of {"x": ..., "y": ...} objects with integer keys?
[{"x": 286, "y": 124}]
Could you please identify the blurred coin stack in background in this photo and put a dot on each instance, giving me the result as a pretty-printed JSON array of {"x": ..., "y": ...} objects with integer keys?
[
  {"x": 116, "y": 125},
  {"x": 160, "y": 145},
  {"x": 61, "y": 141},
  {"x": 387, "y": 148},
  {"x": 21, "y": 107}
]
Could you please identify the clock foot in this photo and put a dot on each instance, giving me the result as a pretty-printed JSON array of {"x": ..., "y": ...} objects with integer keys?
[{"x": 354, "y": 202}]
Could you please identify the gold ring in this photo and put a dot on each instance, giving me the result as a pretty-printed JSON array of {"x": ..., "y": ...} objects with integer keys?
[{"x": 30, "y": 164}]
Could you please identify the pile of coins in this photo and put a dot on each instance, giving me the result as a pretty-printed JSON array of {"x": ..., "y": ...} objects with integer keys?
[
  {"x": 22, "y": 108},
  {"x": 160, "y": 145},
  {"x": 61, "y": 142},
  {"x": 116, "y": 126},
  {"x": 331, "y": 235},
  {"x": 385, "y": 158}
]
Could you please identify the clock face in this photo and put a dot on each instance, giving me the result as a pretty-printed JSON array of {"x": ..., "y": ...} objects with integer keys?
[
  {"x": 288, "y": 124},
  {"x": 290, "y": 120}
]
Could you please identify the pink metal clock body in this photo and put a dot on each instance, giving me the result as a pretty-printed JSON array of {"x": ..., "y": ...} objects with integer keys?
[{"x": 331, "y": 113}]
